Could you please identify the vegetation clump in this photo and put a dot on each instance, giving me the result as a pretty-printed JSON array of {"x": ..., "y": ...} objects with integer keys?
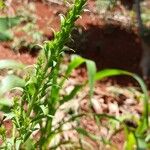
[{"x": 33, "y": 111}]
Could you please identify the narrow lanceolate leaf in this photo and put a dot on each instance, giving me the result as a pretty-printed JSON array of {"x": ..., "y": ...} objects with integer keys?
[
  {"x": 5, "y": 36},
  {"x": 76, "y": 62},
  {"x": 5, "y": 105},
  {"x": 5, "y": 102},
  {"x": 109, "y": 72},
  {"x": 91, "y": 68},
  {"x": 10, "y": 82},
  {"x": 10, "y": 64},
  {"x": 102, "y": 115},
  {"x": 141, "y": 144},
  {"x": 71, "y": 95},
  {"x": 130, "y": 143},
  {"x": 144, "y": 124},
  {"x": 6, "y": 23},
  {"x": 87, "y": 134}
]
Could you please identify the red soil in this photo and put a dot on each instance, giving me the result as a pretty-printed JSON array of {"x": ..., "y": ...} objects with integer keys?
[{"x": 109, "y": 45}]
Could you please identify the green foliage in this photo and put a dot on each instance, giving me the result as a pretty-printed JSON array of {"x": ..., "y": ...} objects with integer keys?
[
  {"x": 138, "y": 136},
  {"x": 41, "y": 93},
  {"x": 35, "y": 110},
  {"x": 9, "y": 82},
  {"x": 91, "y": 74},
  {"x": 2, "y": 4},
  {"x": 10, "y": 64},
  {"x": 6, "y": 23}
]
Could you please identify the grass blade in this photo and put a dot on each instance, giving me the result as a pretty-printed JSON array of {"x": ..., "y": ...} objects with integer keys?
[
  {"x": 91, "y": 68},
  {"x": 10, "y": 82},
  {"x": 130, "y": 142},
  {"x": 10, "y": 64},
  {"x": 70, "y": 96},
  {"x": 114, "y": 72}
]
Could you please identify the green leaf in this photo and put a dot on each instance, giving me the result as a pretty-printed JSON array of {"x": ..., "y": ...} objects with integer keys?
[
  {"x": 141, "y": 144},
  {"x": 44, "y": 109},
  {"x": 91, "y": 68},
  {"x": 29, "y": 144},
  {"x": 75, "y": 62},
  {"x": 18, "y": 143},
  {"x": 130, "y": 143},
  {"x": 87, "y": 134},
  {"x": 6, "y": 35},
  {"x": 10, "y": 64},
  {"x": 109, "y": 72},
  {"x": 106, "y": 116},
  {"x": 66, "y": 98},
  {"x": 2, "y": 4},
  {"x": 144, "y": 124},
  {"x": 31, "y": 87},
  {"x": 10, "y": 82},
  {"x": 8, "y": 22},
  {"x": 5, "y": 105},
  {"x": 9, "y": 116},
  {"x": 147, "y": 139},
  {"x": 62, "y": 18},
  {"x": 6, "y": 102}
]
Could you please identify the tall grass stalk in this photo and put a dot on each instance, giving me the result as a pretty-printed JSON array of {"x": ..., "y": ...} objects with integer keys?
[
  {"x": 35, "y": 110},
  {"x": 41, "y": 92}
]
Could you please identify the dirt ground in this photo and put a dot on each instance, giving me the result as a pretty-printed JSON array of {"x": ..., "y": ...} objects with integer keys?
[{"x": 110, "y": 45}]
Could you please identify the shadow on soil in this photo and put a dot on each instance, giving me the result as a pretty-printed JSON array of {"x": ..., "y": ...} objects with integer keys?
[{"x": 110, "y": 46}]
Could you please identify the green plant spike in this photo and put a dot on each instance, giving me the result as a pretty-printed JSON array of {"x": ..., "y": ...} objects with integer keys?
[{"x": 45, "y": 82}]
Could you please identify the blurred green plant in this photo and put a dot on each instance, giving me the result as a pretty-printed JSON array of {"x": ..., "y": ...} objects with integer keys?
[
  {"x": 135, "y": 135},
  {"x": 25, "y": 22},
  {"x": 35, "y": 110},
  {"x": 41, "y": 91},
  {"x": 9, "y": 82},
  {"x": 2, "y": 4},
  {"x": 6, "y": 24}
]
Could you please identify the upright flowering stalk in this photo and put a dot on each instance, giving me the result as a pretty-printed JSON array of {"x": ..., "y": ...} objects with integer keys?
[{"x": 41, "y": 92}]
